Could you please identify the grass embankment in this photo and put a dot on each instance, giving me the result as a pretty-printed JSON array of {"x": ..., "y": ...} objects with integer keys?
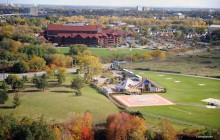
[
  {"x": 58, "y": 103},
  {"x": 188, "y": 95}
]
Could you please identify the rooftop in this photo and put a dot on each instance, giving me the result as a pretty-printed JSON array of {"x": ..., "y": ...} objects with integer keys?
[{"x": 216, "y": 26}]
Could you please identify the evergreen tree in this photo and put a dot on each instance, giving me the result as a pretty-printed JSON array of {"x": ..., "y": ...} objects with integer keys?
[
  {"x": 3, "y": 96},
  {"x": 16, "y": 101}
]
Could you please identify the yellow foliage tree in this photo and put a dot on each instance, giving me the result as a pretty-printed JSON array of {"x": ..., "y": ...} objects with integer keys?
[
  {"x": 36, "y": 63},
  {"x": 7, "y": 31},
  {"x": 90, "y": 66}
]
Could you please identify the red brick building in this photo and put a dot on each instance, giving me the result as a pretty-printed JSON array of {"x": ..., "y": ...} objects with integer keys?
[{"x": 83, "y": 34}]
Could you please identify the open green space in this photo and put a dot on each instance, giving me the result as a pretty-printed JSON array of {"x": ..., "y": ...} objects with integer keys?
[
  {"x": 58, "y": 103},
  {"x": 203, "y": 64},
  {"x": 106, "y": 51},
  {"x": 187, "y": 95}
]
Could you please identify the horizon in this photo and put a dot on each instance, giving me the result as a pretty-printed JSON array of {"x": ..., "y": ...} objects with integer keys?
[{"x": 121, "y": 3}]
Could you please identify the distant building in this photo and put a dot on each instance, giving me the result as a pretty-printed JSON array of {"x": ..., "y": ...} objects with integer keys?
[
  {"x": 139, "y": 8},
  {"x": 145, "y": 9},
  {"x": 179, "y": 15},
  {"x": 66, "y": 34},
  {"x": 31, "y": 11},
  {"x": 213, "y": 28}
]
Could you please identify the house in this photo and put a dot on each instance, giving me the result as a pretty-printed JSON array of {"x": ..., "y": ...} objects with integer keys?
[
  {"x": 147, "y": 85},
  {"x": 144, "y": 85},
  {"x": 125, "y": 85}
]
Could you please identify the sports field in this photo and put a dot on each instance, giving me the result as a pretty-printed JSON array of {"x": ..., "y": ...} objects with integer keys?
[
  {"x": 142, "y": 100},
  {"x": 106, "y": 52},
  {"x": 187, "y": 93}
]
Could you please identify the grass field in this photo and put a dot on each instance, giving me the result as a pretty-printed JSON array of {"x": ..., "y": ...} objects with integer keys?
[
  {"x": 106, "y": 52},
  {"x": 204, "y": 64},
  {"x": 188, "y": 95},
  {"x": 58, "y": 103}
]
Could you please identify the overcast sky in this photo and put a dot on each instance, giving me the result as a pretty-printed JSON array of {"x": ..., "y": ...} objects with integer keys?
[{"x": 158, "y": 3}]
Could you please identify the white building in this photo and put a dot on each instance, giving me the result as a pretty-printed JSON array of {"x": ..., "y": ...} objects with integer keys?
[{"x": 213, "y": 28}]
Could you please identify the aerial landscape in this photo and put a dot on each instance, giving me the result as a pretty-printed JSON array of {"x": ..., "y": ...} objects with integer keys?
[{"x": 109, "y": 70}]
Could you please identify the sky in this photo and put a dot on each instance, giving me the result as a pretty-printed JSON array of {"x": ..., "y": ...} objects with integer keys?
[{"x": 154, "y": 3}]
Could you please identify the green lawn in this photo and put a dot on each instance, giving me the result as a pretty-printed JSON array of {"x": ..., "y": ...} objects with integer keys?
[
  {"x": 58, "y": 103},
  {"x": 106, "y": 52},
  {"x": 186, "y": 92}
]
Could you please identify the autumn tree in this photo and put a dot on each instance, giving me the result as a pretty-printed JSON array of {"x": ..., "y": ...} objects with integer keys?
[
  {"x": 78, "y": 127},
  {"x": 124, "y": 126},
  {"x": 167, "y": 130},
  {"x": 7, "y": 31},
  {"x": 11, "y": 45},
  {"x": 77, "y": 84},
  {"x": 157, "y": 54},
  {"x": 90, "y": 66},
  {"x": 36, "y": 63},
  {"x": 60, "y": 60}
]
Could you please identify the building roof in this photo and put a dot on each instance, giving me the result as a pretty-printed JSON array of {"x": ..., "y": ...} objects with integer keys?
[
  {"x": 82, "y": 35},
  {"x": 126, "y": 84},
  {"x": 215, "y": 26},
  {"x": 63, "y": 27}
]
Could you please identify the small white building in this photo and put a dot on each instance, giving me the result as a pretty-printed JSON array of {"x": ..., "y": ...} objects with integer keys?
[{"x": 213, "y": 28}]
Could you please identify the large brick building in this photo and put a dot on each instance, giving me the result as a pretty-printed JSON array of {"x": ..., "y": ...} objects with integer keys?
[{"x": 65, "y": 34}]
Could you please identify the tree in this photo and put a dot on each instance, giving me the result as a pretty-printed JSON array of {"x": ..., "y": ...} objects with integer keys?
[
  {"x": 11, "y": 79},
  {"x": 3, "y": 96},
  {"x": 20, "y": 67},
  {"x": 16, "y": 100},
  {"x": 79, "y": 127},
  {"x": 77, "y": 84},
  {"x": 7, "y": 31},
  {"x": 36, "y": 63},
  {"x": 41, "y": 83},
  {"x": 157, "y": 54},
  {"x": 61, "y": 78},
  {"x": 35, "y": 78},
  {"x": 167, "y": 130},
  {"x": 25, "y": 78},
  {"x": 74, "y": 49},
  {"x": 24, "y": 129},
  {"x": 5, "y": 86},
  {"x": 11, "y": 45},
  {"x": 177, "y": 34},
  {"x": 124, "y": 126},
  {"x": 90, "y": 66},
  {"x": 18, "y": 85},
  {"x": 60, "y": 60}
]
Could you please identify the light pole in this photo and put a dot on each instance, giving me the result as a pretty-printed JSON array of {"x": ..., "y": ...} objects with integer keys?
[{"x": 131, "y": 56}]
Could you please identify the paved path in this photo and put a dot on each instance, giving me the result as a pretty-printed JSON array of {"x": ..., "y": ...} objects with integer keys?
[{"x": 31, "y": 74}]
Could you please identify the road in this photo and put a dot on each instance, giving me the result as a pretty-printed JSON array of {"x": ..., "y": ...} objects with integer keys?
[{"x": 31, "y": 74}]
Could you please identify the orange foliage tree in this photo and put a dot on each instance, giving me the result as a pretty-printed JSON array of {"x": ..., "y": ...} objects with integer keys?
[
  {"x": 78, "y": 127},
  {"x": 123, "y": 126}
]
